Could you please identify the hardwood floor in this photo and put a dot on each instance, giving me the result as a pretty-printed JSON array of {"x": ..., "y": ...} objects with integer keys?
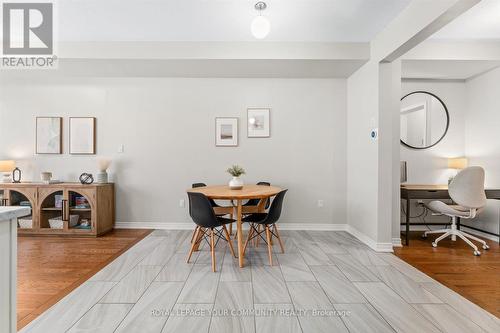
[
  {"x": 325, "y": 282},
  {"x": 49, "y": 268},
  {"x": 452, "y": 264}
]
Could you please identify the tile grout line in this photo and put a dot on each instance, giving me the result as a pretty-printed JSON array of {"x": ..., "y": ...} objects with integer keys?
[
  {"x": 116, "y": 282},
  {"x": 153, "y": 280},
  {"x": 180, "y": 291},
  {"x": 216, "y": 289}
]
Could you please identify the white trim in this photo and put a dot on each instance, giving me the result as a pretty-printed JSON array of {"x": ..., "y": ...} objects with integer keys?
[
  {"x": 313, "y": 226},
  {"x": 396, "y": 242},
  {"x": 154, "y": 225},
  {"x": 436, "y": 227},
  {"x": 190, "y": 226},
  {"x": 379, "y": 247},
  {"x": 479, "y": 233}
]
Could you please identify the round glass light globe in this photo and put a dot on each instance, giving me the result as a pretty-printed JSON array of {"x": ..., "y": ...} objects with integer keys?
[{"x": 260, "y": 27}]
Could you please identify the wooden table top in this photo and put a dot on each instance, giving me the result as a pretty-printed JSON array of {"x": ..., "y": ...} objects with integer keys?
[{"x": 247, "y": 192}]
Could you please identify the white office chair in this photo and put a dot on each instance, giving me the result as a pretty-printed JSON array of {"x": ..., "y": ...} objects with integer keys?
[{"x": 467, "y": 191}]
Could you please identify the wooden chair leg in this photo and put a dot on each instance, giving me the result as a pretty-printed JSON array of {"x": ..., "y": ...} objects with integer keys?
[
  {"x": 231, "y": 225},
  {"x": 194, "y": 233},
  {"x": 212, "y": 248},
  {"x": 257, "y": 239},
  {"x": 228, "y": 236},
  {"x": 269, "y": 245},
  {"x": 194, "y": 241},
  {"x": 275, "y": 229},
  {"x": 250, "y": 233}
]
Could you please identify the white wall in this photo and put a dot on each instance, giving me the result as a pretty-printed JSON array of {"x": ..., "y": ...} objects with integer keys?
[
  {"x": 482, "y": 139},
  {"x": 362, "y": 151},
  {"x": 430, "y": 166},
  {"x": 167, "y": 129}
]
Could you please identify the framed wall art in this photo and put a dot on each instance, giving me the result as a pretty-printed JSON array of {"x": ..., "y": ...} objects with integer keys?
[
  {"x": 48, "y": 136},
  {"x": 82, "y": 135},
  {"x": 258, "y": 122},
  {"x": 226, "y": 132}
]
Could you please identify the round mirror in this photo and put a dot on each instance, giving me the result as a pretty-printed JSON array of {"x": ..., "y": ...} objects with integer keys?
[{"x": 424, "y": 120}]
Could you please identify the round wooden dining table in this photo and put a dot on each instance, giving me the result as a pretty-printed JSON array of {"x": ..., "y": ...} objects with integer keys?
[{"x": 223, "y": 192}]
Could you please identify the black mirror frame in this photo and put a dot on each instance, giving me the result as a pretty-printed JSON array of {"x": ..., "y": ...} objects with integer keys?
[{"x": 447, "y": 119}]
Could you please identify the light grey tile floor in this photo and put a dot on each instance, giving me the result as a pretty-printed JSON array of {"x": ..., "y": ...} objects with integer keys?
[{"x": 327, "y": 282}]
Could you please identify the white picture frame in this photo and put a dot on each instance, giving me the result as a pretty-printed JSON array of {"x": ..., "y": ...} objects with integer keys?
[
  {"x": 48, "y": 136},
  {"x": 226, "y": 132},
  {"x": 82, "y": 136},
  {"x": 258, "y": 122}
]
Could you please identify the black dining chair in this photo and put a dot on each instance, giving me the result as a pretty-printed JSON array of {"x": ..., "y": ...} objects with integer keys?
[
  {"x": 255, "y": 202},
  {"x": 196, "y": 185},
  {"x": 214, "y": 204},
  {"x": 207, "y": 222},
  {"x": 268, "y": 221}
]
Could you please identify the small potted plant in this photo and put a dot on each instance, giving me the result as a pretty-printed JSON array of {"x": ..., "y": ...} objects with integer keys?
[{"x": 236, "y": 183}]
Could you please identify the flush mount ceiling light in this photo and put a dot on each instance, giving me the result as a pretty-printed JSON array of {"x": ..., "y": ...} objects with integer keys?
[{"x": 260, "y": 25}]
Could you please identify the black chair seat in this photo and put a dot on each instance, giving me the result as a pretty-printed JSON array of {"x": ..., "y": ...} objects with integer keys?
[
  {"x": 224, "y": 220},
  {"x": 259, "y": 218}
]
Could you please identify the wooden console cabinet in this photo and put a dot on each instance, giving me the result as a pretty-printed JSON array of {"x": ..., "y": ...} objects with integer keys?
[{"x": 100, "y": 211}]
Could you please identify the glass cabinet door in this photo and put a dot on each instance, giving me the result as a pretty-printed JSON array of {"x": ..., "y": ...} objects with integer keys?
[
  {"x": 81, "y": 209},
  {"x": 51, "y": 207},
  {"x": 24, "y": 198}
]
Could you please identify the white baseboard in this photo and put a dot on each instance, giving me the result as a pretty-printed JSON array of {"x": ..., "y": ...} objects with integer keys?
[
  {"x": 379, "y": 247},
  {"x": 155, "y": 225},
  {"x": 190, "y": 226},
  {"x": 470, "y": 231},
  {"x": 313, "y": 226},
  {"x": 479, "y": 233},
  {"x": 396, "y": 242}
]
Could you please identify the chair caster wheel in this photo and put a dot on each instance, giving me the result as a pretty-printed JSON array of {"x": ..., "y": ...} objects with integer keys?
[
  {"x": 434, "y": 244},
  {"x": 424, "y": 236},
  {"x": 477, "y": 253},
  {"x": 486, "y": 247}
]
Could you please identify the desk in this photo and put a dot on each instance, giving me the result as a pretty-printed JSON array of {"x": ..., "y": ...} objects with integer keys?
[
  {"x": 434, "y": 192},
  {"x": 223, "y": 192}
]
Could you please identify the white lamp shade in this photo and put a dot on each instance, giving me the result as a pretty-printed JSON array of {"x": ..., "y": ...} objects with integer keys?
[
  {"x": 7, "y": 166},
  {"x": 457, "y": 163},
  {"x": 260, "y": 27}
]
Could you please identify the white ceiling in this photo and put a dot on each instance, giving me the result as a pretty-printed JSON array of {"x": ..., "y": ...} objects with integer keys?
[
  {"x": 223, "y": 20},
  {"x": 480, "y": 22},
  {"x": 445, "y": 69}
]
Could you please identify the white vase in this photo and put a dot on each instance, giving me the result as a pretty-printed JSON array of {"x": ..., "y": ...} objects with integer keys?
[
  {"x": 102, "y": 177},
  {"x": 236, "y": 183}
]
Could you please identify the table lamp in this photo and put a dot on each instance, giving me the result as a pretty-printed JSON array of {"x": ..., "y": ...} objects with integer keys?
[
  {"x": 458, "y": 163},
  {"x": 6, "y": 167}
]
